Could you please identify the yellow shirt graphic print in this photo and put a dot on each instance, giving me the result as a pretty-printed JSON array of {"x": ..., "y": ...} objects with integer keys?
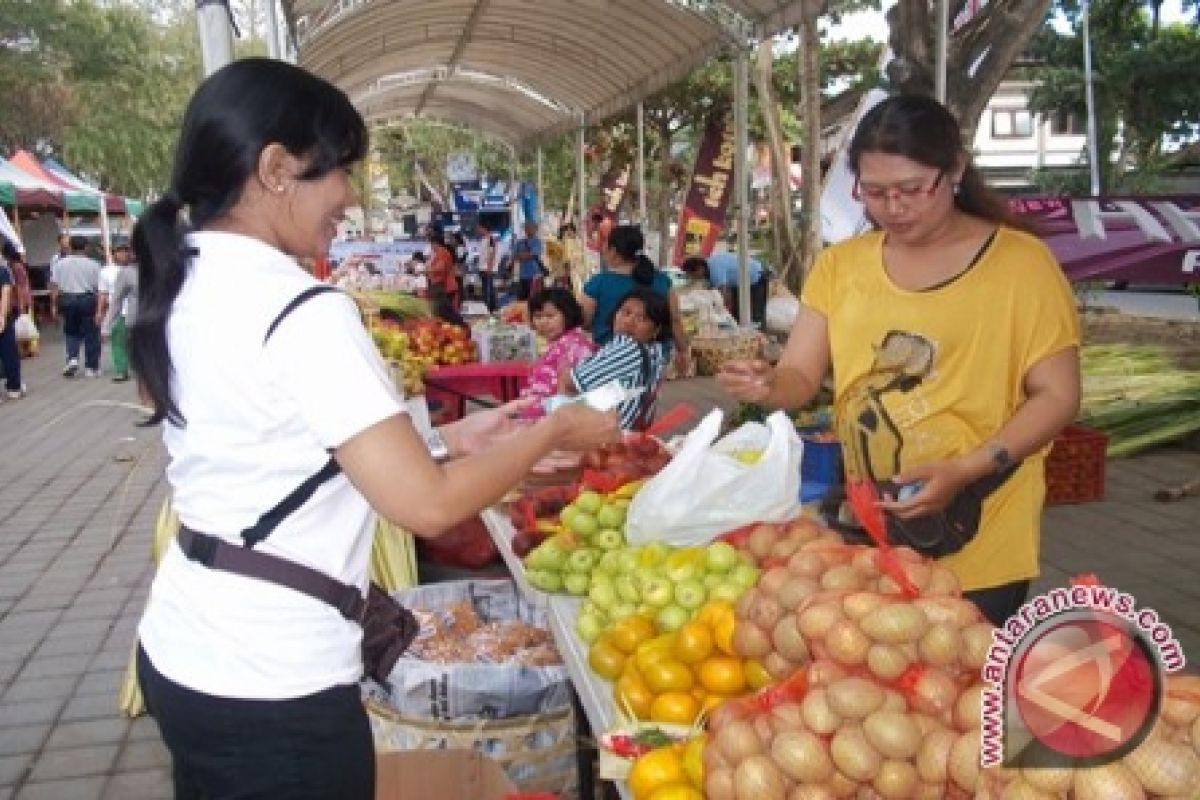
[{"x": 926, "y": 375}]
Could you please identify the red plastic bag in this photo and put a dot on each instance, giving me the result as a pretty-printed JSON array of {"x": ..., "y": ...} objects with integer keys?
[{"x": 467, "y": 546}]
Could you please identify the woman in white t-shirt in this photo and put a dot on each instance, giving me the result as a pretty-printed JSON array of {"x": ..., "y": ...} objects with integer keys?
[{"x": 264, "y": 386}]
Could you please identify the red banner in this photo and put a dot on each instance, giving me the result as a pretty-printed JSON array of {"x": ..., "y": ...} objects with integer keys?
[
  {"x": 1144, "y": 239},
  {"x": 707, "y": 199},
  {"x": 612, "y": 194}
]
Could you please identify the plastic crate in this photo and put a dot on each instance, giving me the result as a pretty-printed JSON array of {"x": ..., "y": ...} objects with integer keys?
[
  {"x": 820, "y": 466},
  {"x": 497, "y": 343},
  {"x": 1075, "y": 466}
]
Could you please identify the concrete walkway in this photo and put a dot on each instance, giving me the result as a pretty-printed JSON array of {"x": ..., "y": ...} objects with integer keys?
[{"x": 81, "y": 485}]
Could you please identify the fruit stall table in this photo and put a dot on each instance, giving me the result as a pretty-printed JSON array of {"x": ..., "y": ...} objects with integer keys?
[
  {"x": 451, "y": 386},
  {"x": 595, "y": 694}
]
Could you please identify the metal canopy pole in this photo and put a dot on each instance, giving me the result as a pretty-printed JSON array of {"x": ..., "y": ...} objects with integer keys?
[
  {"x": 216, "y": 34},
  {"x": 581, "y": 172},
  {"x": 641, "y": 162},
  {"x": 273, "y": 48},
  {"x": 741, "y": 78},
  {"x": 541, "y": 201},
  {"x": 1090, "y": 99}
]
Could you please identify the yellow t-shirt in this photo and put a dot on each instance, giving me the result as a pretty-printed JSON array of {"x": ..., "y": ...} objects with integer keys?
[{"x": 936, "y": 373}]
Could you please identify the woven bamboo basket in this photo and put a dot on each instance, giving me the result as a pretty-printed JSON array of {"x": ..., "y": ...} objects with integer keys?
[
  {"x": 710, "y": 352},
  {"x": 537, "y": 751}
]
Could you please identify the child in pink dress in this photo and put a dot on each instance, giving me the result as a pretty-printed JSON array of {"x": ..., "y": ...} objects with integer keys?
[{"x": 558, "y": 318}]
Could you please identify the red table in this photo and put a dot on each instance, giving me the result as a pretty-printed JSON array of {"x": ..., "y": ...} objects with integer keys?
[{"x": 448, "y": 388}]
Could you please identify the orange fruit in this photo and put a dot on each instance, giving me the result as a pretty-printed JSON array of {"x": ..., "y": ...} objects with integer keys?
[
  {"x": 693, "y": 643},
  {"x": 722, "y": 675},
  {"x": 711, "y": 702},
  {"x": 677, "y": 707},
  {"x": 653, "y": 650},
  {"x": 630, "y": 632},
  {"x": 693, "y": 760},
  {"x": 633, "y": 693},
  {"x": 676, "y": 791},
  {"x": 668, "y": 675},
  {"x": 605, "y": 659},
  {"x": 658, "y": 768}
]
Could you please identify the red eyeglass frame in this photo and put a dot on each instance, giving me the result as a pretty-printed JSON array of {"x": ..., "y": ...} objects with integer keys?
[{"x": 896, "y": 193}]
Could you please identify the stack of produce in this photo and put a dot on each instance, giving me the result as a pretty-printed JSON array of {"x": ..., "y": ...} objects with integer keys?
[
  {"x": 676, "y": 677},
  {"x": 458, "y": 635},
  {"x": 415, "y": 345},
  {"x": 1138, "y": 396},
  {"x": 588, "y": 528}
]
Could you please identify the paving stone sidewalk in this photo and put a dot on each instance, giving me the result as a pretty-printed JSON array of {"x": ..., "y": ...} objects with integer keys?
[{"x": 81, "y": 485}]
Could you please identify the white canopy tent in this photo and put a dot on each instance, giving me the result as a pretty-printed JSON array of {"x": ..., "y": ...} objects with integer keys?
[{"x": 520, "y": 71}]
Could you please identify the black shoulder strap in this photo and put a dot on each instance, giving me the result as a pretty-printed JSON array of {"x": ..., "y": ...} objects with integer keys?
[
  {"x": 299, "y": 299},
  {"x": 300, "y": 495}
]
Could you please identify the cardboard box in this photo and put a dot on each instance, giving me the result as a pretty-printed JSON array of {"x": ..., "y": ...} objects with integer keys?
[{"x": 440, "y": 774}]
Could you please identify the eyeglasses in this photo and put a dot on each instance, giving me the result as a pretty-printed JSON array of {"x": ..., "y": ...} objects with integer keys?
[{"x": 907, "y": 191}]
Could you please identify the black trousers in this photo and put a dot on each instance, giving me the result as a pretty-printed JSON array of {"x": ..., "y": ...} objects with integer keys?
[
  {"x": 758, "y": 300},
  {"x": 317, "y": 747},
  {"x": 10, "y": 355},
  {"x": 999, "y": 602}
]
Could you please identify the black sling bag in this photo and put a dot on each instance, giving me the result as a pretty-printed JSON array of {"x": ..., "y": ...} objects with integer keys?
[{"x": 388, "y": 627}]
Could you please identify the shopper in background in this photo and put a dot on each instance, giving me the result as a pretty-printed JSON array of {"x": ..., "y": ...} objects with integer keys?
[
  {"x": 441, "y": 273},
  {"x": 120, "y": 310},
  {"x": 528, "y": 254},
  {"x": 74, "y": 291},
  {"x": 635, "y": 356},
  {"x": 629, "y": 268},
  {"x": 10, "y": 356},
  {"x": 963, "y": 330},
  {"x": 720, "y": 271},
  {"x": 557, "y": 317},
  {"x": 487, "y": 266},
  {"x": 262, "y": 391}
]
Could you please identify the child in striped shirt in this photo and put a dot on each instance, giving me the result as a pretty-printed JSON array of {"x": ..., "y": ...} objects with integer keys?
[{"x": 635, "y": 357}]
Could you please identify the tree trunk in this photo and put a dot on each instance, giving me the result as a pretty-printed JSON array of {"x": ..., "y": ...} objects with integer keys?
[
  {"x": 783, "y": 234},
  {"x": 810, "y": 93},
  {"x": 664, "y": 191},
  {"x": 980, "y": 53}
]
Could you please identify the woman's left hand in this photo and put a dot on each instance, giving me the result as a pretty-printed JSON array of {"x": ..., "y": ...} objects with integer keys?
[
  {"x": 481, "y": 430},
  {"x": 939, "y": 482}
]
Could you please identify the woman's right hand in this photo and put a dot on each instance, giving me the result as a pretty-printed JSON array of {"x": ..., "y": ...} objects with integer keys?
[
  {"x": 580, "y": 428},
  {"x": 749, "y": 381}
]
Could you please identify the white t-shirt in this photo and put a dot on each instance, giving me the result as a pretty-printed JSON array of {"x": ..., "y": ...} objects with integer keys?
[
  {"x": 259, "y": 419},
  {"x": 108, "y": 280}
]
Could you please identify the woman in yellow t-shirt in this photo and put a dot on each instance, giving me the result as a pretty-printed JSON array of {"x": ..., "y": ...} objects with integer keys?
[{"x": 953, "y": 340}]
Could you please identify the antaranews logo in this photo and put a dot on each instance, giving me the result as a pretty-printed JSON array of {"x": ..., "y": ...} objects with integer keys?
[{"x": 1074, "y": 679}]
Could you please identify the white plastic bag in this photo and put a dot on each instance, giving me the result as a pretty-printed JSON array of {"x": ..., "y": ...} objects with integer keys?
[
  {"x": 25, "y": 329},
  {"x": 705, "y": 491},
  {"x": 782, "y": 313}
]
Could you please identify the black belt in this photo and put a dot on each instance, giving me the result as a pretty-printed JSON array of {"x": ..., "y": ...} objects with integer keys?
[{"x": 218, "y": 554}]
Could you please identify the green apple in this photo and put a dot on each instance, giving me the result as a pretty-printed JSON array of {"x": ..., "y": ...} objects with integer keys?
[
  {"x": 671, "y": 618},
  {"x": 690, "y": 594},
  {"x": 603, "y": 594},
  {"x": 720, "y": 557},
  {"x": 567, "y": 514},
  {"x": 622, "y": 610},
  {"x": 544, "y": 580},
  {"x": 657, "y": 591},
  {"x": 744, "y": 575},
  {"x": 608, "y": 539},
  {"x": 626, "y": 589},
  {"x": 710, "y": 580},
  {"x": 583, "y": 560},
  {"x": 583, "y": 524},
  {"x": 589, "y": 502},
  {"x": 610, "y": 515},
  {"x": 549, "y": 555},
  {"x": 592, "y": 610},
  {"x": 609, "y": 563},
  {"x": 678, "y": 573},
  {"x": 729, "y": 592},
  {"x": 628, "y": 561},
  {"x": 589, "y": 627},
  {"x": 576, "y": 583},
  {"x": 647, "y": 610}
]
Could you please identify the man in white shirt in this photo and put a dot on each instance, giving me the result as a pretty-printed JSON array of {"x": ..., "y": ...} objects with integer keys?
[
  {"x": 74, "y": 289},
  {"x": 487, "y": 266}
]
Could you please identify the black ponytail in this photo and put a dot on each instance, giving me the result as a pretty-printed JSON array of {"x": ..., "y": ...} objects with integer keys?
[
  {"x": 628, "y": 242},
  {"x": 237, "y": 112},
  {"x": 158, "y": 242}
]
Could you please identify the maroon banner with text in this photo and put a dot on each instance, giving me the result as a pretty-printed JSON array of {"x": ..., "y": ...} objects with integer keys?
[
  {"x": 602, "y": 216},
  {"x": 1139, "y": 239},
  {"x": 707, "y": 199}
]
